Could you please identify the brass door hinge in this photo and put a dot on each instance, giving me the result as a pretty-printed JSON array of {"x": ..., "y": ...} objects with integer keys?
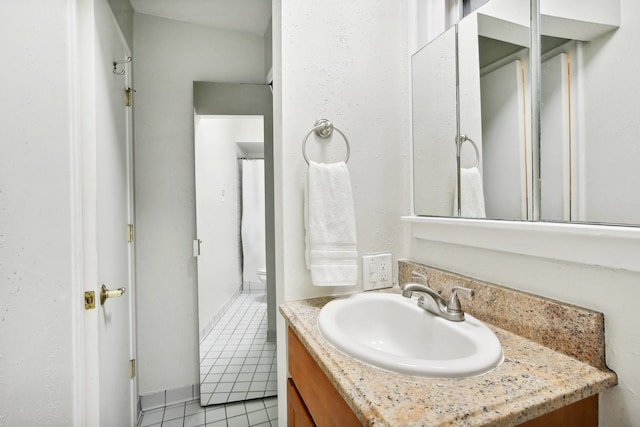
[
  {"x": 89, "y": 300},
  {"x": 128, "y": 96},
  {"x": 132, "y": 368},
  {"x": 129, "y": 232}
]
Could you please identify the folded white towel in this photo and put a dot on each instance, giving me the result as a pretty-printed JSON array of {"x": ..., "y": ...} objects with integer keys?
[
  {"x": 471, "y": 194},
  {"x": 331, "y": 252}
]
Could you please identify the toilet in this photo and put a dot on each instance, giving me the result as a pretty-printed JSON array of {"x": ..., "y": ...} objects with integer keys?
[{"x": 262, "y": 275}]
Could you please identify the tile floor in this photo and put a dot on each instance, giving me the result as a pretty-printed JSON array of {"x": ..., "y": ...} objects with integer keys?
[
  {"x": 237, "y": 365},
  {"x": 257, "y": 412},
  {"x": 236, "y": 361}
]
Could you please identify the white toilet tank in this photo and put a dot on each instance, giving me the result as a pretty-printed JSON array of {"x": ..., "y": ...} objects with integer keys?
[{"x": 262, "y": 275}]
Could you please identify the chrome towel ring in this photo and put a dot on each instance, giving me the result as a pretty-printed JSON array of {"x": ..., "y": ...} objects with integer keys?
[
  {"x": 464, "y": 138},
  {"x": 323, "y": 129}
]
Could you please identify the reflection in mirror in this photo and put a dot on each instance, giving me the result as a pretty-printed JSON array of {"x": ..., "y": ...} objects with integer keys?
[
  {"x": 499, "y": 33},
  {"x": 589, "y": 115},
  {"x": 237, "y": 360},
  {"x": 555, "y": 119},
  {"x": 433, "y": 73},
  {"x": 492, "y": 118},
  {"x": 468, "y": 6}
]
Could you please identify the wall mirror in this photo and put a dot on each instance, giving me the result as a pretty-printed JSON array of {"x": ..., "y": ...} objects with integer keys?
[
  {"x": 472, "y": 147},
  {"x": 589, "y": 117},
  {"x": 232, "y": 136},
  {"x": 433, "y": 74},
  {"x": 588, "y": 123}
]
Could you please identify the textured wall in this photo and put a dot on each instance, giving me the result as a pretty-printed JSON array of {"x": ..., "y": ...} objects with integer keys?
[
  {"x": 345, "y": 62},
  {"x": 36, "y": 334}
]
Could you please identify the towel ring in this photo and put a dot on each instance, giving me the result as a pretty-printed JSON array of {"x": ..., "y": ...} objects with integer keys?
[
  {"x": 323, "y": 129},
  {"x": 464, "y": 138}
]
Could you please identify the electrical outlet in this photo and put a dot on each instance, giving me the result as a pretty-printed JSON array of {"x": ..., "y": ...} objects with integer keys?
[
  {"x": 377, "y": 271},
  {"x": 369, "y": 272}
]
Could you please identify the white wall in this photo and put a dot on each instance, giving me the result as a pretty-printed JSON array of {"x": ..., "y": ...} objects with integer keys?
[
  {"x": 555, "y": 118},
  {"x": 268, "y": 49},
  {"x": 36, "y": 254},
  {"x": 505, "y": 146},
  {"x": 217, "y": 207},
  {"x": 123, "y": 12},
  {"x": 609, "y": 85},
  {"x": 345, "y": 62},
  {"x": 169, "y": 57},
  {"x": 469, "y": 98}
]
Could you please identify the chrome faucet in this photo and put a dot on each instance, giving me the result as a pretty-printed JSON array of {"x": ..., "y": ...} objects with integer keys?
[{"x": 433, "y": 302}]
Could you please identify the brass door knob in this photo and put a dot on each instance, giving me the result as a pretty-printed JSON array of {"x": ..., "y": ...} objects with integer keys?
[{"x": 107, "y": 293}]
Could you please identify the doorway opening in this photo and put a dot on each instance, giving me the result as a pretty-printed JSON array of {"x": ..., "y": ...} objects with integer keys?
[
  {"x": 233, "y": 146},
  {"x": 237, "y": 360}
]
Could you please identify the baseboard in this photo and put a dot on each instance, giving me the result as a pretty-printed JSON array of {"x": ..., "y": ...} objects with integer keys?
[
  {"x": 253, "y": 287},
  {"x": 204, "y": 331},
  {"x": 164, "y": 398}
]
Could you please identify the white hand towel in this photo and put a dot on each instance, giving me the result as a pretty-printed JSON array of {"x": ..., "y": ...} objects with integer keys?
[
  {"x": 331, "y": 252},
  {"x": 471, "y": 194}
]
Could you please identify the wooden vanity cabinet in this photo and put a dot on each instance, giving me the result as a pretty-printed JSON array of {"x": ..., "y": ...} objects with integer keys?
[
  {"x": 310, "y": 391},
  {"x": 313, "y": 401},
  {"x": 297, "y": 413},
  {"x": 583, "y": 413}
]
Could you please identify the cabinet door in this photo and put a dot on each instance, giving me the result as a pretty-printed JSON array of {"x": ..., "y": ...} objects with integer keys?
[
  {"x": 297, "y": 413},
  {"x": 325, "y": 404},
  {"x": 583, "y": 413}
]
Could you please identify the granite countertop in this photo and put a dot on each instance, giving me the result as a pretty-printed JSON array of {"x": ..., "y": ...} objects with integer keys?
[{"x": 532, "y": 380}]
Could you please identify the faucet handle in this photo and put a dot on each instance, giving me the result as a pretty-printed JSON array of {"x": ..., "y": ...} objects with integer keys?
[
  {"x": 420, "y": 276},
  {"x": 453, "y": 305}
]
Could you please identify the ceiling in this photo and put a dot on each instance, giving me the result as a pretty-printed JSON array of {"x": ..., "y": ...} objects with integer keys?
[{"x": 251, "y": 16}]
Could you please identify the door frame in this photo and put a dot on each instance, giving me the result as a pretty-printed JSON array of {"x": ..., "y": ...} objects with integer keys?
[{"x": 131, "y": 214}]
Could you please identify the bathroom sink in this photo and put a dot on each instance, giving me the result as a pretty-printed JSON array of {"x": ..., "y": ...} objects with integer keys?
[{"x": 391, "y": 332}]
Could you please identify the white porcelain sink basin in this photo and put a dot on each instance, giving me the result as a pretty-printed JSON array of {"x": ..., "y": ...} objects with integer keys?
[{"x": 391, "y": 332}]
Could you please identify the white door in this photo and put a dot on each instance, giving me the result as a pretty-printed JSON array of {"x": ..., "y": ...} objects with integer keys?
[{"x": 114, "y": 212}]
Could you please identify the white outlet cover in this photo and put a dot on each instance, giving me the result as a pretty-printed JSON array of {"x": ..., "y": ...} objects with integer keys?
[{"x": 376, "y": 271}]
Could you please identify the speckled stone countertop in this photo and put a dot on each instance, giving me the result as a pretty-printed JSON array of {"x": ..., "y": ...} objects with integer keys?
[{"x": 533, "y": 380}]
